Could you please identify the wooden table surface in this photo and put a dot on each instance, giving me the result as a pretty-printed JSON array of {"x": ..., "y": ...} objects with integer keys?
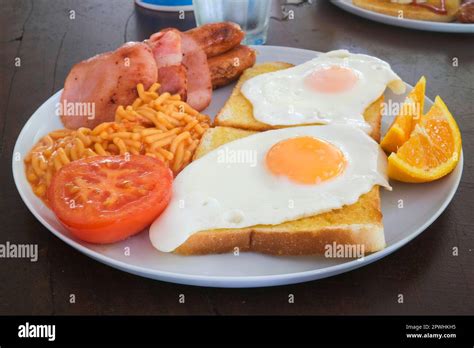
[{"x": 49, "y": 42}]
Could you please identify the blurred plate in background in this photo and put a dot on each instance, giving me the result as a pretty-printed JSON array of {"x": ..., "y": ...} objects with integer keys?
[{"x": 348, "y": 6}]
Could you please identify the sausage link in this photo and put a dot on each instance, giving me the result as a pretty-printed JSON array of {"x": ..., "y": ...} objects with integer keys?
[
  {"x": 217, "y": 38},
  {"x": 228, "y": 67}
]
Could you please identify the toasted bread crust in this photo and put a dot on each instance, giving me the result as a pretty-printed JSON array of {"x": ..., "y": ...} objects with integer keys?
[
  {"x": 373, "y": 116},
  {"x": 359, "y": 224},
  {"x": 409, "y": 11},
  {"x": 238, "y": 111},
  {"x": 283, "y": 243}
]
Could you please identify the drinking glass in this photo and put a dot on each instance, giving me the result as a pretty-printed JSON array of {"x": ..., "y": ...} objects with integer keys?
[{"x": 252, "y": 16}]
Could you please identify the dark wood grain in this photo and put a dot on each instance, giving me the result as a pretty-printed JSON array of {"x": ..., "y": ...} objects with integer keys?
[{"x": 431, "y": 279}]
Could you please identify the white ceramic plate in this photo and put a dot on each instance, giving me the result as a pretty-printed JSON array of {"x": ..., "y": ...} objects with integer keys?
[
  {"x": 422, "y": 205},
  {"x": 348, "y": 6}
]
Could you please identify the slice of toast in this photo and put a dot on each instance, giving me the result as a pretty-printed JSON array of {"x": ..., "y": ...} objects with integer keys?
[
  {"x": 410, "y": 11},
  {"x": 359, "y": 224},
  {"x": 238, "y": 111}
]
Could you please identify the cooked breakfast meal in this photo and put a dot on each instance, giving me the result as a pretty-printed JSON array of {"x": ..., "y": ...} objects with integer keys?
[
  {"x": 294, "y": 160},
  {"x": 426, "y": 10}
]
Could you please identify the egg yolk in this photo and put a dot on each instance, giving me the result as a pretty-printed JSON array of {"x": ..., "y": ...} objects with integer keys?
[
  {"x": 305, "y": 160},
  {"x": 332, "y": 79}
]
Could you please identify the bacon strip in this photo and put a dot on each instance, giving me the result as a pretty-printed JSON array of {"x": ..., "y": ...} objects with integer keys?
[
  {"x": 199, "y": 84},
  {"x": 167, "y": 50},
  {"x": 106, "y": 81},
  {"x": 198, "y": 74}
]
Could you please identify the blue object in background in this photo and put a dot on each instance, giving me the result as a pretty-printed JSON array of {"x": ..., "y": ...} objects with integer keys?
[{"x": 166, "y": 5}]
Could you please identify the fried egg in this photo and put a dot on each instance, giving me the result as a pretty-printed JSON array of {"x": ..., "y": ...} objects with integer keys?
[
  {"x": 334, "y": 88},
  {"x": 270, "y": 178}
]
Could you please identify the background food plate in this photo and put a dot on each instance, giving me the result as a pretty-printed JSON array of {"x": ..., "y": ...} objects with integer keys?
[
  {"x": 422, "y": 204},
  {"x": 348, "y": 6}
]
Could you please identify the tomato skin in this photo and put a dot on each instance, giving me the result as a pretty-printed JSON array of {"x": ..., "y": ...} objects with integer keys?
[
  {"x": 117, "y": 230},
  {"x": 94, "y": 222}
]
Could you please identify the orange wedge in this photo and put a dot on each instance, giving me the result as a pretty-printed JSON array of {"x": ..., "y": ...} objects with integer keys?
[
  {"x": 432, "y": 151},
  {"x": 410, "y": 112}
]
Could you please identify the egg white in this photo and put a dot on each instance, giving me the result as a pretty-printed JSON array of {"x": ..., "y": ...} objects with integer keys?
[
  {"x": 230, "y": 187},
  {"x": 282, "y": 97}
]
